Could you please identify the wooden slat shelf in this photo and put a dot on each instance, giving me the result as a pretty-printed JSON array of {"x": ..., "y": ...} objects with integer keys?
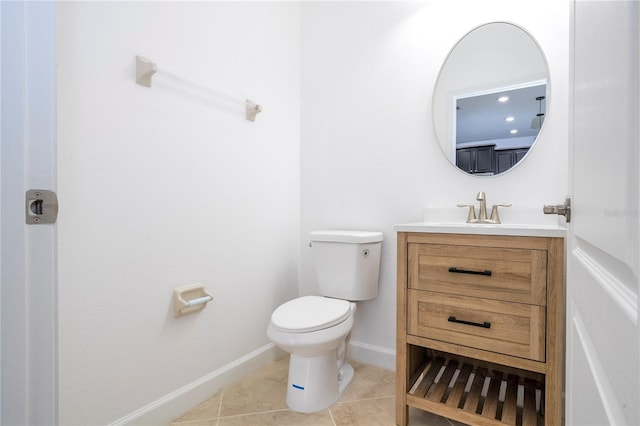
[{"x": 470, "y": 392}]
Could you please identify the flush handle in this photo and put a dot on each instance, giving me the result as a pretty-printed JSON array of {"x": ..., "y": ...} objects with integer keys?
[{"x": 41, "y": 206}]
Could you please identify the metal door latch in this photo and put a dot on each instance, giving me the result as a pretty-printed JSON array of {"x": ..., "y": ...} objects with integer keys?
[
  {"x": 560, "y": 209},
  {"x": 41, "y": 206}
]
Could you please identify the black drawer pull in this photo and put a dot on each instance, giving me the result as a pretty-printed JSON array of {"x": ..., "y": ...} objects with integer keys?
[
  {"x": 475, "y": 324},
  {"x": 466, "y": 271}
]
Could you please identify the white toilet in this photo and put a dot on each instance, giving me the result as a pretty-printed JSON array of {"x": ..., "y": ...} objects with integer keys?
[{"x": 316, "y": 329}]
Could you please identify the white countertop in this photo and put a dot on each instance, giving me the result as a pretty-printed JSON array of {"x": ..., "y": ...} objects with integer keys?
[{"x": 522, "y": 230}]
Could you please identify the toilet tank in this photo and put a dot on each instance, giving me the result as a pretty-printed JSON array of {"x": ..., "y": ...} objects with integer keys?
[{"x": 347, "y": 263}]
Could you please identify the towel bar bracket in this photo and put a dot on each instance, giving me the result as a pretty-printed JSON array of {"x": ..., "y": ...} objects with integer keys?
[{"x": 145, "y": 69}]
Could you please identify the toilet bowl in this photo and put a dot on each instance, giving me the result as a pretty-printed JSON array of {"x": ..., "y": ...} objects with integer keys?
[{"x": 315, "y": 331}]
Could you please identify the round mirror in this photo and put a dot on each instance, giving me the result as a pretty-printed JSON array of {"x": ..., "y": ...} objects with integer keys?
[{"x": 490, "y": 99}]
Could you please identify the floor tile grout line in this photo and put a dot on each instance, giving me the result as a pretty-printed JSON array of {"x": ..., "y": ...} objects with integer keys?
[
  {"x": 331, "y": 416},
  {"x": 220, "y": 408},
  {"x": 220, "y": 416},
  {"x": 364, "y": 399},
  {"x": 254, "y": 413},
  {"x": 194, "y": 421}
]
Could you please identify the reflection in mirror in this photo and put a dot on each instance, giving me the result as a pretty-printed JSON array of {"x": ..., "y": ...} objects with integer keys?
[{"x": 490, "y": 99}]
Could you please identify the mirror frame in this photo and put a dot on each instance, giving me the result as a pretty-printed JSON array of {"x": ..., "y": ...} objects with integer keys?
[{"x": 450, "y": 156}]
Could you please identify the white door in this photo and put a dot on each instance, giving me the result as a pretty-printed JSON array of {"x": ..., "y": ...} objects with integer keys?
[
  {"x": 27, "y": 262},
  {"x": 603, "y": 345}
]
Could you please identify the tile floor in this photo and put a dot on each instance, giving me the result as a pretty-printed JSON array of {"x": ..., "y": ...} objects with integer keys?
[{"x": 259, "y": 400}]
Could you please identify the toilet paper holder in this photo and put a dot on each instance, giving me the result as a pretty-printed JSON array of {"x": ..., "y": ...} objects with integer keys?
[{"x": 190, "y": 298}]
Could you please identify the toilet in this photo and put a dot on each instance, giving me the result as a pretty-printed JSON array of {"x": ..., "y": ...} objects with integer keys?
[{"x": 315, "y": 330}]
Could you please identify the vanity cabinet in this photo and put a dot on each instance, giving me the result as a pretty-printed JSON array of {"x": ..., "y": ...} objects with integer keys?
[{"x": 480, "y": 332}]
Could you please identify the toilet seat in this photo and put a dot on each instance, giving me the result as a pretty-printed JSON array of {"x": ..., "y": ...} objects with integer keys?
[{"x": 310, "y": 313}]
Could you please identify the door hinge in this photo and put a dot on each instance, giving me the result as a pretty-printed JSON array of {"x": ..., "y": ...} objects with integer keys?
[
  {"x": 41, "y": 206},
  {"x": 560, "y": 209}
]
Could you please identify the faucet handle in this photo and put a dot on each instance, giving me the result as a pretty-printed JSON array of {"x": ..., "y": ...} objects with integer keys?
[
  {"x": 495, "y": 218},
  {"x": 471, "y": 218}
]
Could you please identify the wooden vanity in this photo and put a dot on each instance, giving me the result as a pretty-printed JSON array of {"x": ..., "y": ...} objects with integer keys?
[{"x": 480, "y": 326}]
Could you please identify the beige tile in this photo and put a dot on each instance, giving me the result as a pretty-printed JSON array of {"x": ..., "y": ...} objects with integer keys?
[
  {"x": 206, "y": 410},
  {"x": 382, "y": 412},
  {"x": 264, "y": 390},
  {"x": 369, "y": 382},
  {"x": 279, "y": 418},
  {"x": 208, "y": 422},
  {"x": 259, "y": 400},
  {"x": 370, "y": 412},
  {"x": 423, "y": 418}
]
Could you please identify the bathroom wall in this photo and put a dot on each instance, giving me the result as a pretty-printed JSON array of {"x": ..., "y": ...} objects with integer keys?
[
  {"x": 370, "y": 158},
  {"x": 163, "y": 187}
]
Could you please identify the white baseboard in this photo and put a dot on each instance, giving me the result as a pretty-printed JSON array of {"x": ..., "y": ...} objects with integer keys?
[
  {"x": 372, "y": 355},
  {"x": 167, "y": 408}
]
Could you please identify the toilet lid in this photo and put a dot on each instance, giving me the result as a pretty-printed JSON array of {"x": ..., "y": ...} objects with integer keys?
[{"x": 310, "y": 313}]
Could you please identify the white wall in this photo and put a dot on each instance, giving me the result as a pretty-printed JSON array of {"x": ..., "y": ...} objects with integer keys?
[
  {"x": 370, "y": 158},
  {"x": 161, "y": 188}
]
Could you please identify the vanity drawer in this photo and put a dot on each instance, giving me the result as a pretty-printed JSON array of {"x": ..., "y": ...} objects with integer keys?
[
  {"x": 515, "y": 275},
  {"x": 515, "y": 329}
]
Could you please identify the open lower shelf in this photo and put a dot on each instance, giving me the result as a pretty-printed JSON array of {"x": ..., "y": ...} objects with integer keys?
[{"x": 476, "y": 393}]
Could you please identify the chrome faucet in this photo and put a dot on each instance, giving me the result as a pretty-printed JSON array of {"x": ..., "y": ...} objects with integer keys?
[{"x": 482, "y": 214}]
